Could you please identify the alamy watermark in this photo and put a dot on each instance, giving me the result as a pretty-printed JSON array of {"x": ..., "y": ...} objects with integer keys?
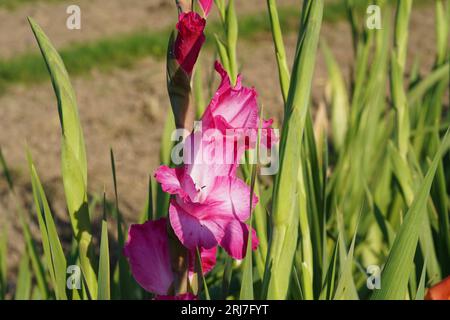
[
  {"x": 374, "y": 277},
  {"x": 373, "y": 20},
  {"x": 73, "y": 21},
  {"x": 74, "y": 278},
  {"x": 226, "y": 147}
]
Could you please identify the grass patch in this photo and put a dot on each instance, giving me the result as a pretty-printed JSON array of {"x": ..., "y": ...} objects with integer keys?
[
  {"x": 14, "y": 4},
  {"x": 124, "y": 50}
]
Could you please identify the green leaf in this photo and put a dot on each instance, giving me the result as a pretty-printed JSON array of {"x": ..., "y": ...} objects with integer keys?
[
  {"x": 232, "y": 36},
  {"x": 6, "y": 171},
  {"x": 227, "y": 274},
  {"x": 103, "y": 269},
  {"x": 330, "y": 279},
  {"x": 418, "y": 90},
  {"x": 3, "y": 264},
  {"x": 346, "y": 289},
  {"x": 223, "y": 54},
  {"x": 23, "y": 286},
  {"x": 247, "y": 273},
  {"x": 36, "y": 264},
  {"x": 53, "y": 252},
  {"x": 280, "y": 52},
  {"x": 124, "y": 274},
  {"x": 340, "y": 109},
  {"x": 283, "y": 239},
  {"x": 396, "y": 272},
  {"x": 73, "y": 156},
  {"x": 421, "y": 289},
  {"x": 200, "y": 276}
]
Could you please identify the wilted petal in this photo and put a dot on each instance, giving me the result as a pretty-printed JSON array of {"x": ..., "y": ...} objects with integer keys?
[
  {"x": 190, "y": 39},
  {"x": 147, "y": 250}
]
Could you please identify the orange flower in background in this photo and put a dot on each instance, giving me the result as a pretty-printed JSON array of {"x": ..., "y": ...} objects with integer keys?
[{"x": 440, "y": 291}]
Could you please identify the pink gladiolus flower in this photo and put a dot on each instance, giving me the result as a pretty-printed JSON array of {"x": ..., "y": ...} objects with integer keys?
[
  {"x": 209, "y": 210},
  {"x": 147, "y": 250},
  {"x": 190, "y": 39},
  {"x": 206, "y": 6},
  {"x": 236, "y": 108}
]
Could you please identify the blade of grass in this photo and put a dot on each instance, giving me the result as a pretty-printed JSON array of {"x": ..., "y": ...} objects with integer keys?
[
  {"x": 124, "y": 275},
  {"x": 283, "y": 239},
  {"x": 103, "y": 269},
  {"x": 330, "y": 279},
  {"x": 280, "y": 52},
  {"x": 246, "y": 292},
  {"x": 23, "y": 286},
  {"x": 340, "y": 109},
  {"x": 396, "y": 272},
  {"x": 200, "y": 276},
  {"x": 421, "y": 289},
  {"x": 227, "y": 275},
  {"x": 29, "y": 241},
  {"x": 3, "y": 264},
  {"x": 53, "y": 252}
]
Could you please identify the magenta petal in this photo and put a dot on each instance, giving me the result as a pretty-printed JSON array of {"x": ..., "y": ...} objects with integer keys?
[
  {"x": 255, "y": 240},
  {"x": 190, "y": 39},
  {"x": 206, "y": 6},
  {"x": 235, "y": 239},
  {"x": 190, "y": 230},
  {"x": 185, "y": 296},
  {"x": 147, "y": 250},
  {"x": 208, "y": 257}
]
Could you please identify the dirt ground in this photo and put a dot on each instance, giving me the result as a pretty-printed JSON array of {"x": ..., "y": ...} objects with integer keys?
[
  {"x": 125, "y": 109},
  {"x": 100, "y": 18}
]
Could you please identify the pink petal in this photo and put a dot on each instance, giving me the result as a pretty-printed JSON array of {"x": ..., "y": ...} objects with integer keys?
[
  {"x": 230, "y": 198},
  {"x": 185, "y": 296},
  {"x": 189, "y": 230},
  {"x": 235, "y": 239},
  {"x": 237, "y": 105},
  {"x": 190, "y": 39},
  {"x": 175, "y": 181},
  {"x": 206, "y": 6},
  {"x": 169, "y": 178},
  {"x": 208, "y": 155},
  {"x": 236, "y": 108},
  {"x": 204, "y": 224},
  {"x": 147, "y": 250}
]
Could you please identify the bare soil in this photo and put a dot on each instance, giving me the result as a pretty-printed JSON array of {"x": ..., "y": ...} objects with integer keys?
[{"x": 99, "y": 19}]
